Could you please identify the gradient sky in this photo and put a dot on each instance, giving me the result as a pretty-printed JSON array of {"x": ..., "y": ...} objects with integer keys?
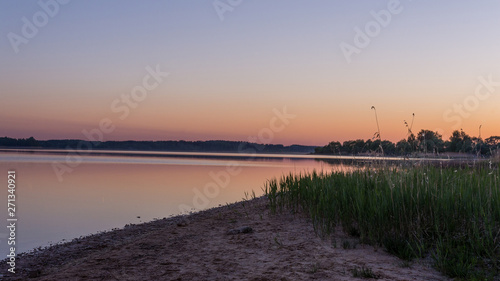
[{"x": 227, "y": 77}]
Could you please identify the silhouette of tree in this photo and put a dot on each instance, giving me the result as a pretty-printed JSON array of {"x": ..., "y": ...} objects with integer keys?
[
  {"x": 430, "y": 141},
  {"x": 459, "y": 142}
]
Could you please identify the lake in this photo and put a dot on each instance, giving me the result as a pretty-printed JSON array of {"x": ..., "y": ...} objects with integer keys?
[{"x": 61, "y": 197}]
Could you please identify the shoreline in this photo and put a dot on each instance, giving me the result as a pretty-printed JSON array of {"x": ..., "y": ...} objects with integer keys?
[
  {"x": 454, "y": 157},
  {"x": 211, "y": 245}
]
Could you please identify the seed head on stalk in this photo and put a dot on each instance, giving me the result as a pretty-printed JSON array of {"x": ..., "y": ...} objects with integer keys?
[{"x": 377, "y": 134}]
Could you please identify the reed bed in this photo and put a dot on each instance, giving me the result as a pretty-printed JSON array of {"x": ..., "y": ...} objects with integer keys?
[{"x": 449, "y": 214}]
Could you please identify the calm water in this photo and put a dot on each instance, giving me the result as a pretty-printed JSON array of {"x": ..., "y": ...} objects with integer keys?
[{"x": 109, "y": 190}]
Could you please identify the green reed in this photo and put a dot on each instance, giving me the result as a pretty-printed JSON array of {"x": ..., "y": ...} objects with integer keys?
[{"x": 451, "y": 214}]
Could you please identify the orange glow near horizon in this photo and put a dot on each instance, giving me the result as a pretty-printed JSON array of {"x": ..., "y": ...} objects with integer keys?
[{"x": 318, "y": 127}]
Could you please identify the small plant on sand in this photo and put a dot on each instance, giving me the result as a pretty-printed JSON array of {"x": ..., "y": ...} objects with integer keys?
[
  {"x": 334, "y": 242},
  {"x": 405, "y": 264},
  {"x": 314, "y": 268},
  {"x": 363, "y": 272},
  {"x": 253, "y": 194},
  {"x": 278, "y": 241},
  {"x": 249, "y": 196},
  {"x": 400, "y": 247},
  {"x": 347, "y": 245}
]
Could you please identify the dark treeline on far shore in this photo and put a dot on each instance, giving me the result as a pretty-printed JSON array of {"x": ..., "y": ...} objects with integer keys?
[
  {"x": 176, "y": 146},
  {"x": 425, "y": 142}
]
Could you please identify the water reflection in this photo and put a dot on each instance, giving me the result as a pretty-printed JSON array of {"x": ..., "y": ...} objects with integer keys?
[{"x": 110, "y": 190}]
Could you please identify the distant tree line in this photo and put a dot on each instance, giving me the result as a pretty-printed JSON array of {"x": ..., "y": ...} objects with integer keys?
[
  {"x": 29, "y": 142},
  {"x": 425, "y": 141},
  {"x": 176, "y": 146}
]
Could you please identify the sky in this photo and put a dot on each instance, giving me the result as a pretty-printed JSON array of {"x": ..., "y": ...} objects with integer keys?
[{"x": 289, "y": 72}]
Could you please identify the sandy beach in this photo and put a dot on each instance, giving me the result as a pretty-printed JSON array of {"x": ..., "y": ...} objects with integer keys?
[{"x": 241, "y": 241}]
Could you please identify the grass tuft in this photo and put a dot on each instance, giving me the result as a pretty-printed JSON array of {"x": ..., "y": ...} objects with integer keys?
[{"x": 363, "y": 272}]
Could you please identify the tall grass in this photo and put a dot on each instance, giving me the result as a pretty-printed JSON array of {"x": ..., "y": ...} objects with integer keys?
[{"x": 451, "y": 214}]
